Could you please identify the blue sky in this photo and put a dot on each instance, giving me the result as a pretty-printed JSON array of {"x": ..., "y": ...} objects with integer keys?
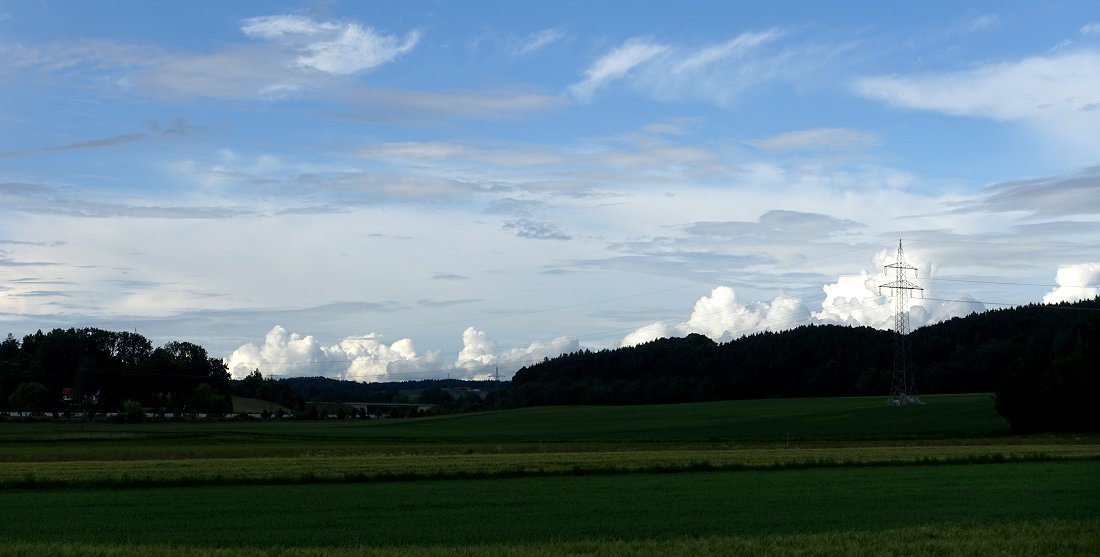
[{"x": 398, "y": 190}]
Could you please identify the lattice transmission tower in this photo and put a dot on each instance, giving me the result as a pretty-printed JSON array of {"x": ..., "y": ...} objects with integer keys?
[{"x": 903, "y": 388}]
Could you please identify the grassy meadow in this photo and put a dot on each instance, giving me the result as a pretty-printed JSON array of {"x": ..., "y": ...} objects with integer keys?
[{"x": 798, "y": 476}]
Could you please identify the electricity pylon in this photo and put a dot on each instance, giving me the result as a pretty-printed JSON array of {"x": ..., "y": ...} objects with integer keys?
[{"x": 903, "y": 388}]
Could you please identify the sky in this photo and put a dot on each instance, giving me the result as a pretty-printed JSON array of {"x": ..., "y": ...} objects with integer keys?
[{"x": 385, "y": 191}]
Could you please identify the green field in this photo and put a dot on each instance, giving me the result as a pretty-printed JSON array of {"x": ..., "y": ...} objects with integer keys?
[
  {"x": 815, "y": 477},
  {"x": 751, "y": 422}
]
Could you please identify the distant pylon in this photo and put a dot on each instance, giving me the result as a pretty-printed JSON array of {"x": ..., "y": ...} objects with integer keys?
[{"x": 903, "y": 388}]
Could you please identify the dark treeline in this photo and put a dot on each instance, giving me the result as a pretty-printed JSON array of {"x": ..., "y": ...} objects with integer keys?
[
  {"x": 1038, "y": 359},
  {"x": 95, "y": 370}
]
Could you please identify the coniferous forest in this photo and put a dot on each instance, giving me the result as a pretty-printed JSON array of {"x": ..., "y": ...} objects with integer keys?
[{"x": 1039, "y": 360}]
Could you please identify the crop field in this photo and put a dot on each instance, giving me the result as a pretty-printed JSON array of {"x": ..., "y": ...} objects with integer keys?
[{"x": 812, "y": 477}]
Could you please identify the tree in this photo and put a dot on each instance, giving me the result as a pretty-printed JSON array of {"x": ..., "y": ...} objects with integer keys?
[
  {"x": 251, "y": 385},
  {"x": 205, "y": 399},
  {"x": 29, "y": 397},
  {"x": 132, "y": 412},
  {"x": 435, "y": 395},
  {"x": 1056, "y": 395}
]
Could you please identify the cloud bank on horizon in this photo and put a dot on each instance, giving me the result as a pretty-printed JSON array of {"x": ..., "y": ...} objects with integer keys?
[
  {"x": 308, "y": 189},
  {"x": 853, "y": 300}
]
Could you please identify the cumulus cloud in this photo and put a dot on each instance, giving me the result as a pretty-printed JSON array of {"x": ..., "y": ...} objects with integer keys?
[
  {"x": 852, "y": 300},
  {"x": 364, "y": 358},
  {"x": 367, "y": 358},
  {"x": 722, "y": 317},
  {"x": 481, "y": 359},
  {"x": 652, "y": 331},
  {"x": 861, "y": 299},
  {"x": 1075, "y": 282},
  {"x": 855, "y": 300},
  {"x": 329, "y": 46}
]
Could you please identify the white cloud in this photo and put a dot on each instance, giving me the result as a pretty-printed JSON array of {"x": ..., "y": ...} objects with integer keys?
[
  {"x": 364, "y": 358},
  {"x": 853, "y": 300},
  {"x": 722, "y": 317},
  {"x": 739, "y": 46},
  {"x": 538, "y": 41},
  {"x": 716, "y": 72},
  {"x": 652, "y": 331},
  {"x": 616, "y": 65},
  {"x": 367, "y": 358},
  {"x": 1058, "y": 93},
  {"x": 332, "y": 47},
  {"x": 1091, "y": 29},
  {"x": 1075, "y": 282},
  {"x": 1021, "y": 90},
  {"x": 480, "y": 359},
  {"x": 477, "y": 350},
  {"x": 861, "y": 299},
  {"x": 292, "y": 53}
]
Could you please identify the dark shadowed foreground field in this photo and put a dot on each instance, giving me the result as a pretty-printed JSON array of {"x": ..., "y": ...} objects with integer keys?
[{"x": 816, "y": 477}]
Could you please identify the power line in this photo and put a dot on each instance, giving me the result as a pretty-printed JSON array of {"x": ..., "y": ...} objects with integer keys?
[
  {"x": 1010, "y": 244},
  {"x": 941, "y": 279}
]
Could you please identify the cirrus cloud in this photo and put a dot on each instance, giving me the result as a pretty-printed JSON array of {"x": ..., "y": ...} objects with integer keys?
[
  {"x": 330, "y": 46},
  {"x": 1057, "y": 93},
  {"x": 615, "y": 65}
]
